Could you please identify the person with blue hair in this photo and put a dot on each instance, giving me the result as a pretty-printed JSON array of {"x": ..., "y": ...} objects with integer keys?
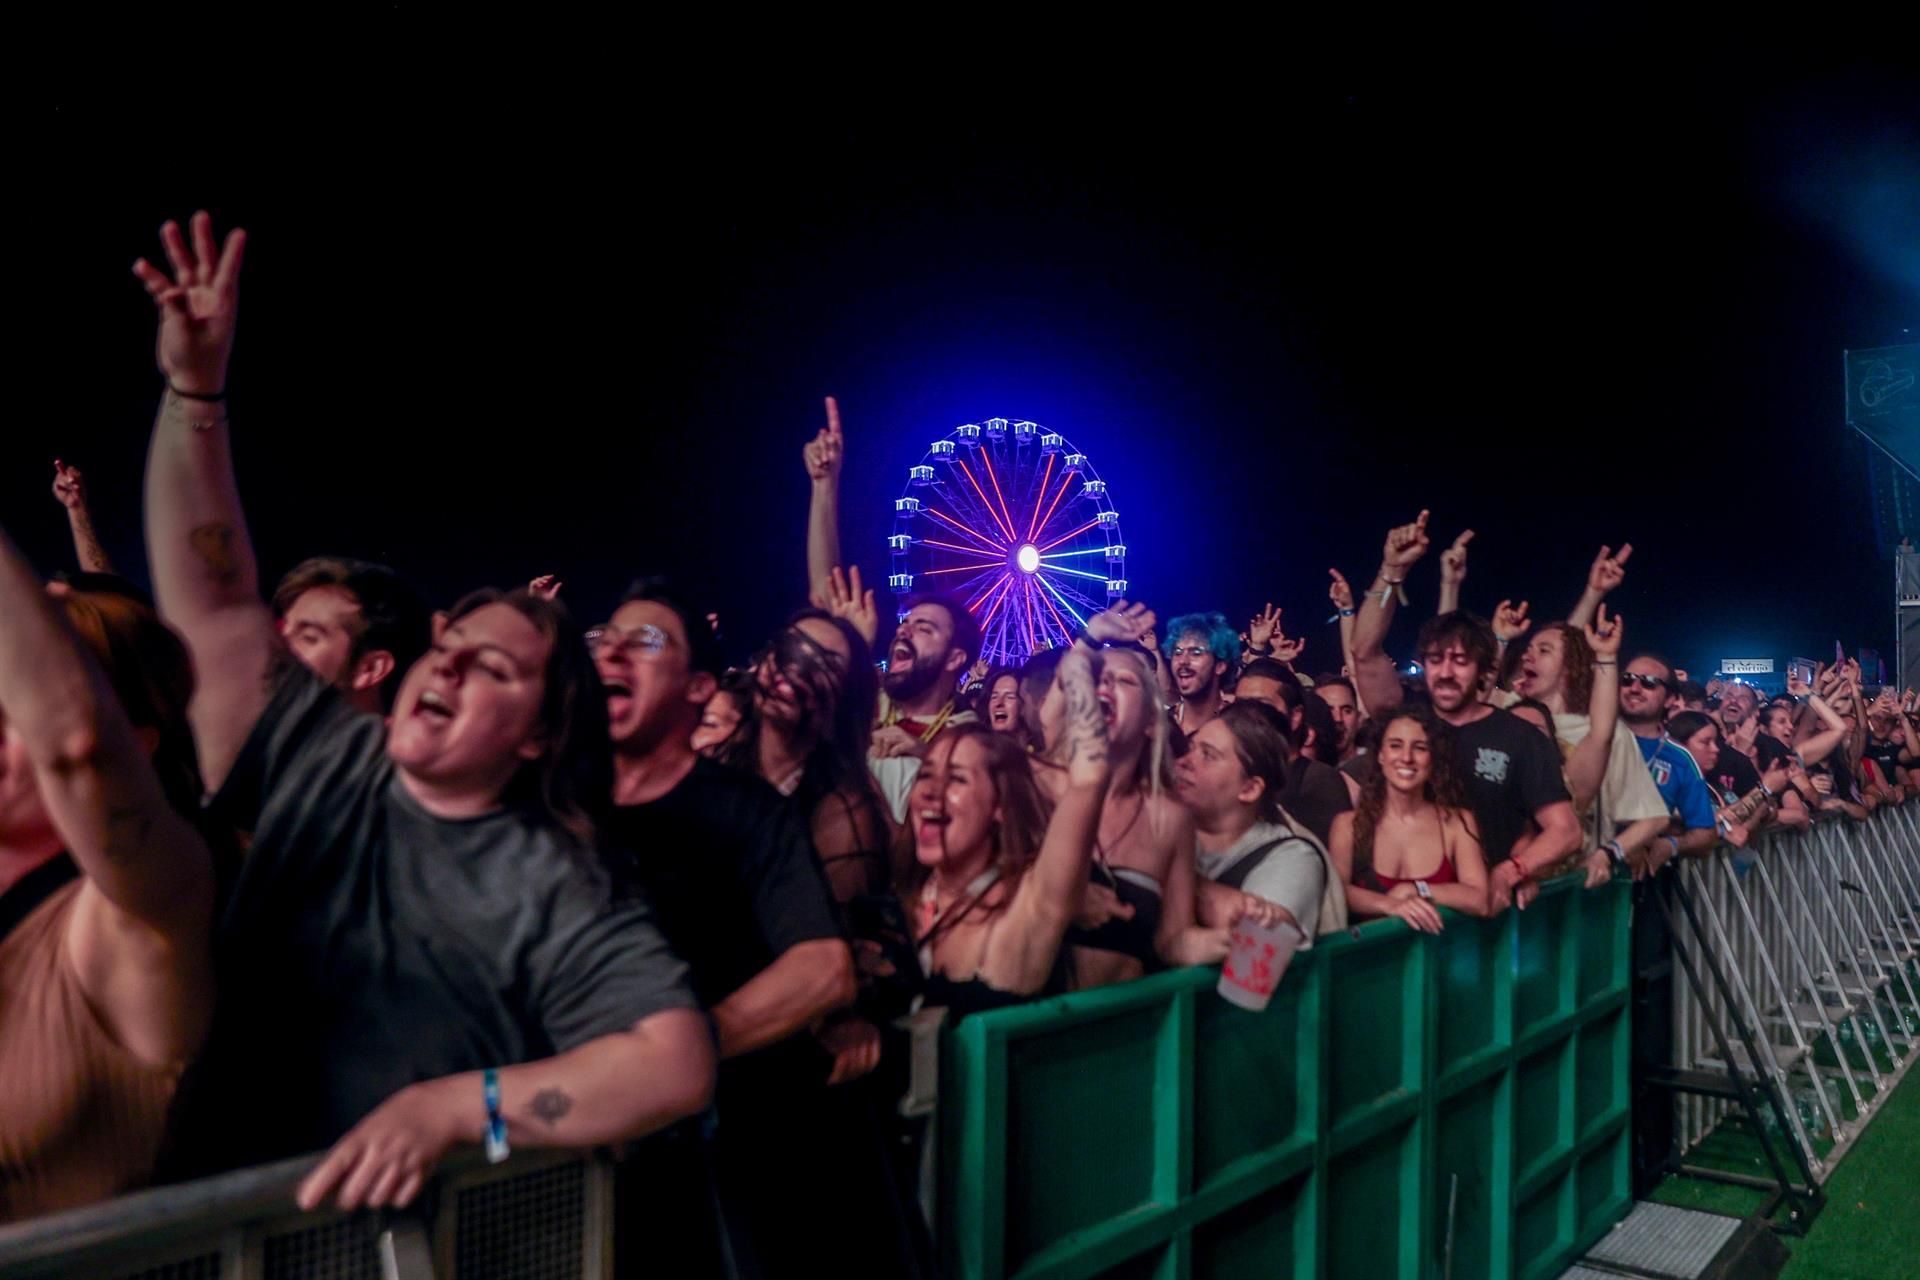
[{"x": 1201, "y": 650}]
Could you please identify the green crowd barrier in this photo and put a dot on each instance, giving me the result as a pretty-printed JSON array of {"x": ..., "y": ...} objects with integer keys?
[{"x": 1408, "y": 1106}]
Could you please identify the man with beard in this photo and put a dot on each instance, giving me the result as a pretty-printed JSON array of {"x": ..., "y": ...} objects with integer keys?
[
  {"x": 1201, "y": 649},
  {"x": 935, "y": 642},
  {"x": 1645, "y": 692},
  {"x": 1522, "y": 813}
]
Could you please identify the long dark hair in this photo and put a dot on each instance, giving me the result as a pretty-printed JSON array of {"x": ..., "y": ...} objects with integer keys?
[
  {"x": 1443, "y": 787},
  {"x": 849, "y": 691},
  {"x": 1576, "y": 664},
  {"x": 570, "y": 784}
]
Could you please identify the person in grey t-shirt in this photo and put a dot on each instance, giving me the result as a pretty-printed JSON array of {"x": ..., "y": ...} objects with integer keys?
[{"x": 1232, "y": 779}]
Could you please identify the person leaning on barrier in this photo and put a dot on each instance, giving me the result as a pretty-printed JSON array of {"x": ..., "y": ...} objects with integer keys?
[
  {"x": 1520, "y": 804},
  {"x": 1408, "y": 848},
  {"x": 998, "y": 881},
  {"x": 420, "y": 948},
  {"x": 1252, "y": 857},
  {"x": 106, "y": 890}
]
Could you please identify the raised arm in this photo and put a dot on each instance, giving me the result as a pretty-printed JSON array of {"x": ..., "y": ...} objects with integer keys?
[
  {"x": 1587, "y": 766},
  {"x": 1453, "y": 571},
  {"x": 1341, "y": 594},
  {"x": 70, "y": 490},
  {"x": 143, "y": 919},
  {"x": 1021, "y": 948},
  {"x": 823, "y": 456},
  {"x": 609, "y": 1090},
  {"x": 1832, "y": 733},
  {"x": 204, "y": 576},
  {"x": 1608, "y": 572},
  {"x": 1373, "y": 673}
]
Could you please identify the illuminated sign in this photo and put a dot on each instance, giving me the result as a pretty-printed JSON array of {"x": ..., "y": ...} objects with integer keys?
[{"x": 1746, "y": 666}]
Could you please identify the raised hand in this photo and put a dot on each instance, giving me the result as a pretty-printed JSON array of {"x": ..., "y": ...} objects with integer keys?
[
  {"x": 1510, "y": 621},
  {"x": 198, "y": 305},
  {"x": 824, "y": 452},
  {"x": 977, "y": 673},
  {"x": 1121, "y": 624},
  {"x": 1339, "y": 592},
  {"x": 1797, "y": 683},
  {"x": 1260, "y": 630},
  {"x": 847, "y": 599},
  {"x": 1287, "y": 649},
  {"x": 1405, "y": 544},
  {"x": 1604, "y": 635},
  {"x": 1453, "y": 561},
  {"x": 1609, "y": 570},
  {"x": 546, "y": 586},
  {"x": 69, "y": 488}
]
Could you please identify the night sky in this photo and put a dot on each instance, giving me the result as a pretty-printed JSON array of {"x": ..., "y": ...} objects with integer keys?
[{"x": 1574, "y": 303}]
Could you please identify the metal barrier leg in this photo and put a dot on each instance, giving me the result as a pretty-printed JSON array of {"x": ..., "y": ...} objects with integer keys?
[
  {"x": 1811, "y": 1016},
  {"x": 1756, "y": 1054},
  {"x": 1804, "y": 1199},
  {"x": 1833, "y": 934}
]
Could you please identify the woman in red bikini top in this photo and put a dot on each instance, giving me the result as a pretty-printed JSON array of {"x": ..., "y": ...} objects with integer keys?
[{"x": 1409, "y": 848}]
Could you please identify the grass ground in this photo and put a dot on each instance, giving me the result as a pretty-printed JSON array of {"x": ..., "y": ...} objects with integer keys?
[{"x": 1870, "y": 1228}]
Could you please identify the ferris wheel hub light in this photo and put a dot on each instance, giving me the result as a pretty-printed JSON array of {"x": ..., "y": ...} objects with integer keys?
[{"x": 1028, "y": 558}]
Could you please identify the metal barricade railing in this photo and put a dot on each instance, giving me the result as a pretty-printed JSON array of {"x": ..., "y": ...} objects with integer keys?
[
  {"x": 1819, "y": 932},
  {"x": 539, "y": 1216}
]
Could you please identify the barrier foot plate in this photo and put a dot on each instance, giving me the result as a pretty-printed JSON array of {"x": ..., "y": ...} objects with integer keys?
[{"x": 1669, "y": 1243}]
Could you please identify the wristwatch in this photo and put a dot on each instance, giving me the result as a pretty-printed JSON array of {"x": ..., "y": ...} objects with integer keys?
[{"x": 1422, "y": 888}]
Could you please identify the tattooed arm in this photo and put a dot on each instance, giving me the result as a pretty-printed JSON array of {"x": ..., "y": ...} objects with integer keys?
[
  {"x": 70, "y": 490},
  {"x": 203, "y": 570},
  {"x": 608, "y": 1090},
  {"x": 138, "y": 936},
  {"x": 1023, "y": 944}
]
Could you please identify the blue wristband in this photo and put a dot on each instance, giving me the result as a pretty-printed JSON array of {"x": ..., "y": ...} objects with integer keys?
[{"x": 497, "y": 1149}]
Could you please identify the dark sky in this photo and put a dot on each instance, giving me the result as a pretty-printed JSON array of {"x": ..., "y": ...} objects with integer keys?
[{"x": 1575, "y": 303}]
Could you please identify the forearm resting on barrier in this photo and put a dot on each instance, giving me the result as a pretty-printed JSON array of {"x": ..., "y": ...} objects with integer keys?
[{"x": 609, "y": 1090}]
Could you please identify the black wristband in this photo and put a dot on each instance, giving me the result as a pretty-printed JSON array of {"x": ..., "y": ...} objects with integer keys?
[{"x": 216, "y": 398}]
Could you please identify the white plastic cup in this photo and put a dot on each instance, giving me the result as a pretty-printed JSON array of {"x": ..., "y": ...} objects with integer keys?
[{"x": 1256, "y": 961}]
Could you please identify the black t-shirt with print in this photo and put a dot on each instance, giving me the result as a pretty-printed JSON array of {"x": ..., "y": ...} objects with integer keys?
[
  {"x": 1732, "y": 775},
  {"x": 1511, "y": 771},
  {"x": 368, "y": 944}
]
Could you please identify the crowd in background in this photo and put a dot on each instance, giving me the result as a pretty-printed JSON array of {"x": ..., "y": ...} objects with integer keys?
[{"x": 330, "y": 870}]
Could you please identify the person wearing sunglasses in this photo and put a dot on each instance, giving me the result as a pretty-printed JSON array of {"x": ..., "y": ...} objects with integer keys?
[{"x": 1647, "y": 687}]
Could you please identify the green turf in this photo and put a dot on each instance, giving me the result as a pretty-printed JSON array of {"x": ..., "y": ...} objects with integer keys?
[{"x": 1870, "y": 1229}]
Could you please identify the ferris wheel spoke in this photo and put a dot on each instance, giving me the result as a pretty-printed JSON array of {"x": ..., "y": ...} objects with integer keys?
[
  {"x": 1033, "y": 525},
  {"x": 1065, "y": 630},
  {"x": 1064, "y": 602},
  {"x": 1004, "y": 528},
  {"x": 941, "y": 515},
  {"x": 1063, "y": 537},
  {"x": 986, "y": 461}
]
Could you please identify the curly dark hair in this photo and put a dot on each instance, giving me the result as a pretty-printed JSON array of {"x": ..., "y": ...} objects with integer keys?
[
  {"x": 1443, "y": 786},
  {"x": 1576, "y": 664}
]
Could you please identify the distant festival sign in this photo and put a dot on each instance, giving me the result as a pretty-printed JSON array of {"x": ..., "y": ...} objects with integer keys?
[{"x": 1746, "y": 666}]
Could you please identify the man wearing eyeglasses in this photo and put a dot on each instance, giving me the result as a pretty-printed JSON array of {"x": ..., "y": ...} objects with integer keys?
[
  {"x": 1201, "y": 651},
  {"x": 739, "y": 892}
]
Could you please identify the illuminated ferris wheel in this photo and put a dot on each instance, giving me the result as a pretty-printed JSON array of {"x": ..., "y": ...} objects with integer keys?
[{"x": 1014, "y": 521}]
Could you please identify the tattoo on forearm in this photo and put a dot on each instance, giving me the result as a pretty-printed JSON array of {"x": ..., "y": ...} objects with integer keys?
[
  {"x": 215, "y": 545},
  {"x": 1086, "y": 726},
  {"x": 86, "y": 544},
  {"x": 550, "y": 1106}
]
